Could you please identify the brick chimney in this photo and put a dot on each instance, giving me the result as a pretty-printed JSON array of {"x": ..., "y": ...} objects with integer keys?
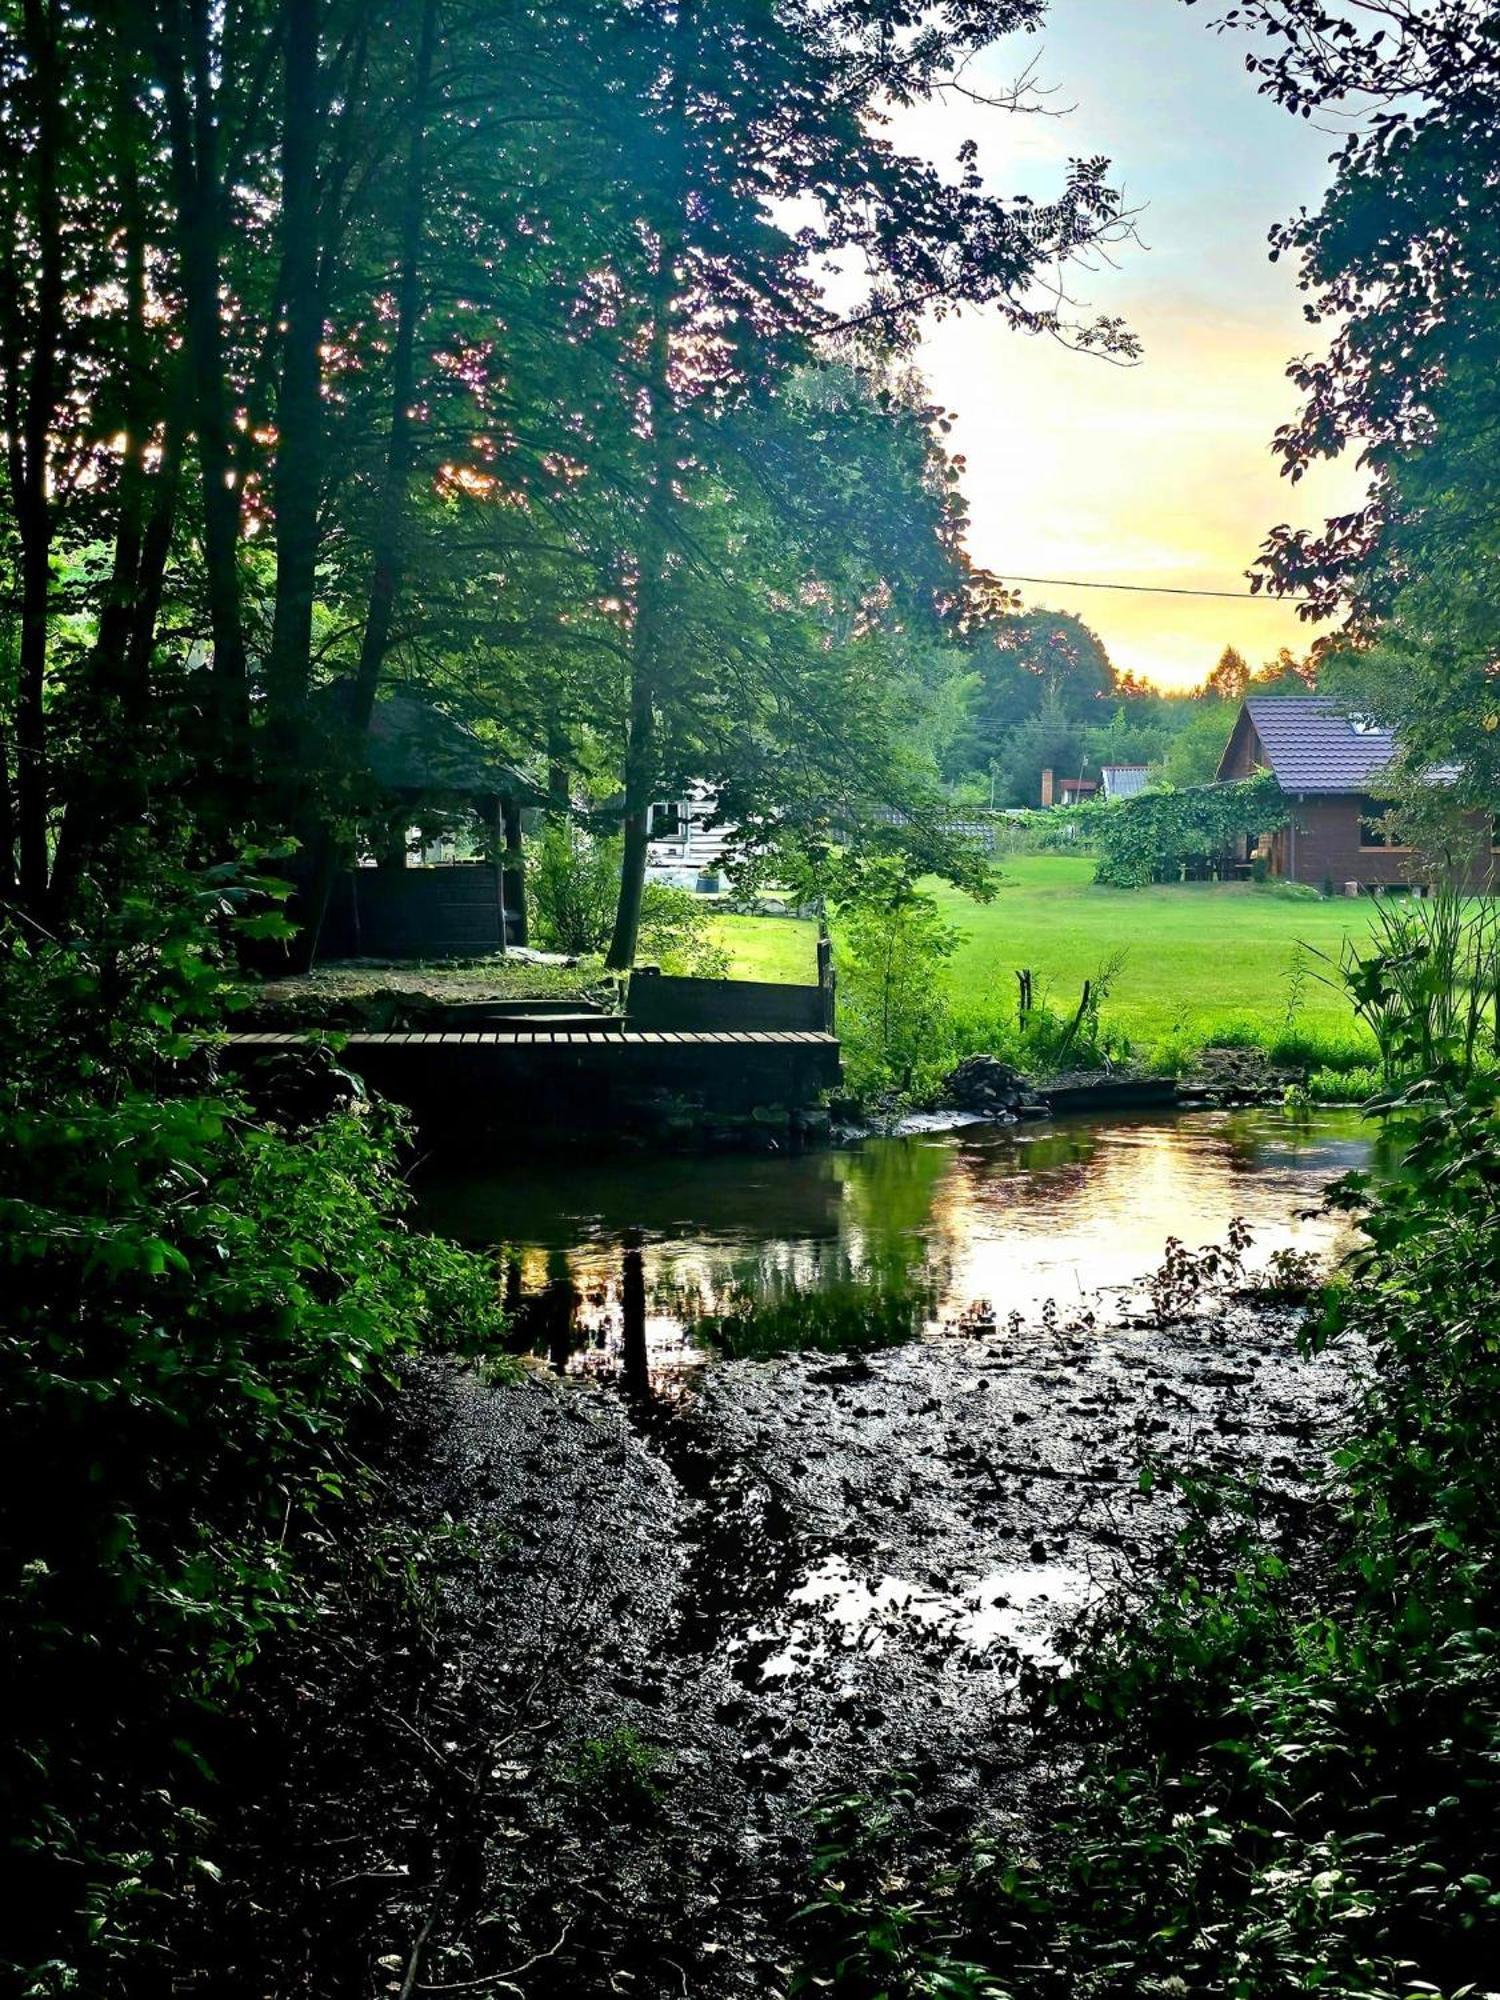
[{"x": 1046, "y": 788}]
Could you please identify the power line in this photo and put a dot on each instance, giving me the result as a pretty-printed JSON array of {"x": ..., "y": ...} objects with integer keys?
[{"x": 1152, "y": 589}]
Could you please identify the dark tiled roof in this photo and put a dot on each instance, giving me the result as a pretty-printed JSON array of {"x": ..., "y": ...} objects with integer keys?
[{"x": 1313, "y": 744}]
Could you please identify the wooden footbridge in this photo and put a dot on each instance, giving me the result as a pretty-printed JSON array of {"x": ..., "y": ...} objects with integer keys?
[{"x": 565, "y": 1063}]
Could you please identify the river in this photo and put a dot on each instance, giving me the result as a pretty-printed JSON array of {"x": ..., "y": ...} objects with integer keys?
[{"x": 981, "y": 1220}]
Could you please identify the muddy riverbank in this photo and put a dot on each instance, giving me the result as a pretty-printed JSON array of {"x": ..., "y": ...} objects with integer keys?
[{"x": 623, "y": 1644}]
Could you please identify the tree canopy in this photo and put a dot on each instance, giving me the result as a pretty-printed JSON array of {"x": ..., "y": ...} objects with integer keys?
[
  {"x": 1399, "y": 262},
  {"x": 488, "y": 351}
]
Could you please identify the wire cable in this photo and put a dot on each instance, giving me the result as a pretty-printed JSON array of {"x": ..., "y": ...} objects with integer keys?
[{"x": 1151, "y": 589}]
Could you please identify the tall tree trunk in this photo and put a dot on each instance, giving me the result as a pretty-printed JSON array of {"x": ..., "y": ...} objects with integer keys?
[
  {"x": 388, "y": 554},
  {"x": 8, "y": 825},
  {"x": 299, "y": 412},
  {"x": 558, "y": 751},
  {"x": 512, "y": 859},
  {"x": 640, "y": 780},
  {"x": 390, "y": 528},
  {"x": 31, "y": 452},
  {"x": 646, "y": 640},
  {"x": 113, "y": 789},
  {"x": 186, "y": 62},
  {"x": 648, "y": 628}
]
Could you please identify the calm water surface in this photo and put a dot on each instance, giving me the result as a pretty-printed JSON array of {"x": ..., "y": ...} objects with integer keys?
[{"x": 1075, "y": 1211}]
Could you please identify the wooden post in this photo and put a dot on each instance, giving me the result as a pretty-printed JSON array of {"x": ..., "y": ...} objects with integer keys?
[
  {"x": 633, "y": 1318},
  {"x": 497, "y": 841},
  {"x": 512, "y": 860}
]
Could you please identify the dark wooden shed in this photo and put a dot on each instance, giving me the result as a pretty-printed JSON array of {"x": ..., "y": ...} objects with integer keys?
[{"x": 421, "y": 760}]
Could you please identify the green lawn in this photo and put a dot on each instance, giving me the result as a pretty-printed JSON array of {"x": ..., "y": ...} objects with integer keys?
[
  {"x": 782, "y": 949},
  {"x": 1195, "y": 956}
]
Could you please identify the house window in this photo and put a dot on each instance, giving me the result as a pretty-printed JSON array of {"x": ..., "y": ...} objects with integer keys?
[
  {"x": 666, "y": 820},
  {"x": 1372, "y": 831}
]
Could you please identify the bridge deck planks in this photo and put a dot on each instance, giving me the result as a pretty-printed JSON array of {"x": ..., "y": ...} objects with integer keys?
[{"x": 510, "y": 1038}]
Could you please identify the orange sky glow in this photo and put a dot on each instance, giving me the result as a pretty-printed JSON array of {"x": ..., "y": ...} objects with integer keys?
[{"x": 1160, "y": 473}]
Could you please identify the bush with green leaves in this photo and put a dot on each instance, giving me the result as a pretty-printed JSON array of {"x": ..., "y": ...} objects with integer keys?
[
  {"x": 574, "y": 882},
  {"x": 893, "y": 995},
  {"x": 616, "y": 1778},
  {"x": 200, "y": 1302},
  {"x": 1153, "y": 836},
  {"x": 574, "y": 879}
]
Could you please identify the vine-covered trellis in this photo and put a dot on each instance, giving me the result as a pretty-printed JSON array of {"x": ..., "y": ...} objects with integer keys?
[{"x": 1151, "y": 837}]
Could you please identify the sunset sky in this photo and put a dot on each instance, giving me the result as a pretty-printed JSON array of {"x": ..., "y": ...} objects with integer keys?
[{"x": 1160, "y": 473}]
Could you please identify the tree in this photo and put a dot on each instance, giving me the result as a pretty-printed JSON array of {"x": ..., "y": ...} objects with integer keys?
[
  {"x": 1229, "y": 679},
  {"x": 750, "y": 106},
  {"x": 1194, "y": 754},
  {"x": 1025, "y": 663},
  {"x": 1400, "y": 259}
]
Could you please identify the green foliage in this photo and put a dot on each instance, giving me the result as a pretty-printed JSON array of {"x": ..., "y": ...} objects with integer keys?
[
  {"x": 574, "y": 880},
  {"x": 1355, "y": 1085},
  {"x": 843, "y": 1319},
  {"x": 1426, "y": 984},
  {"x": 615, "y": 1777},
  {"x": 199, "y": 1305},
  {"x": 1151, "y": 837},
  {"x": 1037, "y": 687},
  {"x": 1194, "y": 754},
  {"x": 868, "y": 1932},
  {"x": 677, "y": 932},
  {"x": 892, "y": 997},
  {"x": 1043, "y": 1036}
]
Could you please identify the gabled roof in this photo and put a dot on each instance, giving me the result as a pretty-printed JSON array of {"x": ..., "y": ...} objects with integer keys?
[
  {"x": 413, "y": 746},
  {"x": 1313, "y": 744}
]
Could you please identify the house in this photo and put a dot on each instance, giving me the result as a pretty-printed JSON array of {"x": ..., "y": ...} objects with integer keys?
[
  {"x": 1329, "y": 764},
  {"x": 1066, "y": 791},
  {"x": 1124, "y": 781},
  {"x": 684, "y": 849}
]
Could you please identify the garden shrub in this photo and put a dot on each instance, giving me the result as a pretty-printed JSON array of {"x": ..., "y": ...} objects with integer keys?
[
  {"x": 575, "y": 883},
  {"x": 199, "y": 1304},
  {"x": 893, "y": 996},
  {"x": 1149, "y": 838}
]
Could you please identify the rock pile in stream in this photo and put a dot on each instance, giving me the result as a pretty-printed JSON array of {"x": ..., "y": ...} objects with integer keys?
[
  {"x": 1230, "y": 1076},
  {"x": 987, "y": 1085}
]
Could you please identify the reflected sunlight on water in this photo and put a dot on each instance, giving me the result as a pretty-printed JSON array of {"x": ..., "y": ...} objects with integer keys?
[{"x": 1010, "y": 1216}]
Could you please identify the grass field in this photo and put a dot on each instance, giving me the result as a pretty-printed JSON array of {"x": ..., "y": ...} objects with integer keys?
[{"x": 1197, "y": 957}]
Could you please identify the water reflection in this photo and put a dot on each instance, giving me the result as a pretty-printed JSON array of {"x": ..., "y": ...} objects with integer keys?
[{"x": 609, "y": 1263}]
